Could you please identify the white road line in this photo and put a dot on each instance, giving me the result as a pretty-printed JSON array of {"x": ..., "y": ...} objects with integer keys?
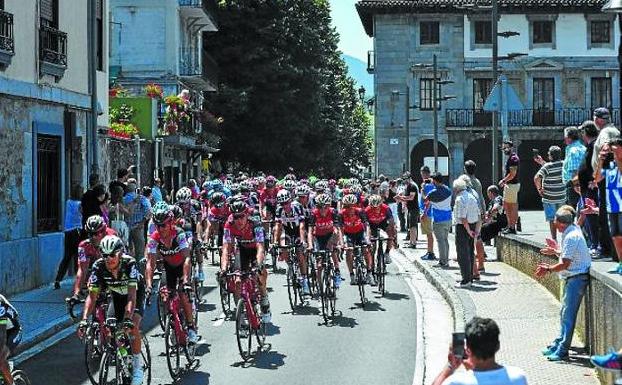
[{"x": 220, "y": 320}]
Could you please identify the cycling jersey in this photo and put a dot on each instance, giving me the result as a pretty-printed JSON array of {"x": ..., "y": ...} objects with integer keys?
[
  {"x": 379, "y": 215},
  {"x": 218, "y": 214},
  {"x": 268, "y": 196},
  {"x": 251, "y": 231},
  {"x": 173, "y": 254},
  {"x": 103, "y": 279},
  {"x": 353, "y": 220},
  {"x": 323, "y": 224},
  {"x": 290, "y": 219},
  {"x": 8, "y": 314},
  {"x": 88, "y": 252}
]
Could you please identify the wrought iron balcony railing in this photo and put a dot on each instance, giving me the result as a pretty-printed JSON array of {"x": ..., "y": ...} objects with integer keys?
[
  {"x": 7, "y": 43},
  {"x": 524, "y": 118},
  {"x": 53, "y": 46}
]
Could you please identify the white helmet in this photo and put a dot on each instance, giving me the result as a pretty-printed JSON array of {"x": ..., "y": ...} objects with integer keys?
[
  {"x": 183, "y": 194},
  {"x": 110, "y": 244},
  {"x": 283, "y": 196}
]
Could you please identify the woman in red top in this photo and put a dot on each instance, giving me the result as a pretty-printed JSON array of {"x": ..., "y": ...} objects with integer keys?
[
  {"x": 353, "y": 227},
  {"x": 324, "y": 228}
]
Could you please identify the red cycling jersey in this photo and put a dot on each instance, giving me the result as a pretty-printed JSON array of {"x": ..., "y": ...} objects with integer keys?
[
  {"x": 172, "y": 254},
  {"x": 268, "y": 196},
  {"x": 353, "y": 220},
  {"x": 88, "y": 252},
  {"x": 251, "y": 231},
  {"x": 377, "y": 215},
  {"x": 218, "y": 214},
  {"x": 323, "y": 224}
]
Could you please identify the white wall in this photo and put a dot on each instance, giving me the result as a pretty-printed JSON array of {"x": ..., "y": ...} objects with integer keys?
[
  {"x": 23, "y": 65},
  {"x": 570, "y": 40},
  {"x": 102, "y": 76}
]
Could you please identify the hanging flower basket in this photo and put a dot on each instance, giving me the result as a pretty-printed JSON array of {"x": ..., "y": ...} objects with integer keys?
[
  {"x": 154, "y": 91},
  {"x": 122, "y": 130}
]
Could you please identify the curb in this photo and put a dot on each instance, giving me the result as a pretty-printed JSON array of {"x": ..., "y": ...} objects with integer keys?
[
  {"x": 461, "y": 304},
  {"x": 43, "y": 333}
]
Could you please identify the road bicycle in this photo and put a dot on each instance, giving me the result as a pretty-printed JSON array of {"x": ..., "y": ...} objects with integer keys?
[
  {"x": 380, "y": 261},
  {"x": 294, "y": 288},
  {"x": 116, "y": 362},
  {"x": 197, "y": 285},
  {"x": 19, "y": 376},
  {"x": 248, "y": 320},
  {"x": 327, "y": 288},
  {"x": 226, "y": 287},
  {"x": 311, "y": 274},
  {"x": 268, "y": 240},
  {"x": 213, "y": 246},
  {"x": 176, "y": 335},
  {"x": 360, "y": 270}
]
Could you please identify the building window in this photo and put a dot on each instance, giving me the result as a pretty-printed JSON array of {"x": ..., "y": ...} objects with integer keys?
[
  {"x": 99, "y": 15},
  {"x": 426, "y": 95},
  {"x": 48, "y": 9},
  {"x": 429, "y": 32},
  {"x": 483, "y": 32},
  {"x": 601, "y": 92},
  {"x": 48, "y": 183},
  {"x": 543, "y": 101},
  {"x": 599, "y": 31},
  {"x": 481, "y": 90},
  {"x": 2, "y": 5},
  {"x": 542, "y": 32}
]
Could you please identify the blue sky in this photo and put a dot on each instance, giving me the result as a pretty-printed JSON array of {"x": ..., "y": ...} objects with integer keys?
[{"x": 353, "y": 41}]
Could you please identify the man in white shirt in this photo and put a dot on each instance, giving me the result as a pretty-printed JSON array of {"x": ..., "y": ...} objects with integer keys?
[
  {"x": 482, "y": 343},
  {"x": 467, "y": 221}
]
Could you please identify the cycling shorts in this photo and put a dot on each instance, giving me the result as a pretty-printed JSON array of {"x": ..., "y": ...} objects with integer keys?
[
  {"x": 116, "y": 308},
  {"x": 248, "y": 258},
  {"x": 374, "y": 227},
  {"x": 325, "y": 242},
  {"x": 174, "y": 275},
  {"x": 356, "y": 239}
]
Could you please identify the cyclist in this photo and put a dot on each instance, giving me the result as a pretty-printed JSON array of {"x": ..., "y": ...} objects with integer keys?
[
  {"x": 117, "y": 273},
  {"x": 267, "y": 199},
  {"x": 216, "y": 217},
  {"x": 324, "y": 230},
  {"x": 250, "y": 197},
  {"x": 240, "y": 226},
  {"x": 191, "y": 224},
  {"x": 290, "y": 220},
  {"x": 303, "y": 196},
  {"x": 88, "y": 251},
  {"x": 10, "y": 337},
  {"x": 353, "y": 229},
  {"x": 169, "y": 243},
  {"x": 380, "y": 216}
]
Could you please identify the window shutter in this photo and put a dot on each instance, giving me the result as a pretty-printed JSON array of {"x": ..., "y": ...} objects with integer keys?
[{"x": 47, "y": 10}]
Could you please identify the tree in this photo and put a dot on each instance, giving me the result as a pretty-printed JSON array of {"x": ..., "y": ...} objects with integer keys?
[{"x": 285, "y": 95}]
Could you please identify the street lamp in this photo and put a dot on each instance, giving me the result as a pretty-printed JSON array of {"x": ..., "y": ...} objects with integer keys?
[
  {"x": 511, "y": 56},
  {"x": 362, "y": 94},
  {"x": 615, "y": 6}
]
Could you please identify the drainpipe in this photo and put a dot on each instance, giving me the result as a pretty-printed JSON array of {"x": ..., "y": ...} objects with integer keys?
[{"x": 92, "y": 67}]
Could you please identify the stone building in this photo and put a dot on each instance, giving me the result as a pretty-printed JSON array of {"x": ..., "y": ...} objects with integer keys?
[
  {"x": 570, "y": 68},
  {"x": 47, "y": 125}
]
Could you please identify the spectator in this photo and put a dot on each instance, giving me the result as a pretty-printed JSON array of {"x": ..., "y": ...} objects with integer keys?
[
  {"x": 411, "y": 199},
  {"x": 440, "y": 202},
  {"x": 426, "y": 213},
  {"x": 574, "y": 155},
  {"x": 467, "y": 221},
  {"x": 588, "y": 187},
  {"x": 391, "y": 200},
  {"x": 192, "y": 185},
  {"x": 73, "y": 233},
  {"x": 548, "y": 182},
  {"x": 511, "y": 185},
  {"x": 156, "y": 190},
  {"x": 573, "y": 267},
  {"x": 469, "y": 169},
  {"x": 140, "y": 212},
  {"x": 482, "y": 344},
  {"x": 585, "y": 209},
  {"x": 118, "y": 212},
  {"x": 494, "y": 221},
  {"x": 612, "y": 178},
  {"x": 91, "y": 202},
  {"x": 401, "y": 188},
  {"x": 606, "y": 134},
  {"x": 123, "y": 175}
]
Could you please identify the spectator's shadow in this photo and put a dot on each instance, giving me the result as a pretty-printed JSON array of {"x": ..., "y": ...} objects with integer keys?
[
  {"x": 488, "y": 274},
  {"x": 342, "y": 321},
  {"x": 394, "y": 296},
  {"x": 481, "y": 288},
  {"x": 485, "y": 283}
]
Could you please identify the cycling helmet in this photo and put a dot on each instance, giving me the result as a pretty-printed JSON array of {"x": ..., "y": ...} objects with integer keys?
[
  {"x": 238, "y": 206},
  {"x": 349, "y": 200},
  {"x": 332, "y": 183},
  {"x": 356, "y": 189},
  {"x": 235, "y": 188},
  {"x": 270, "y": 181},
  {"x": 110, "y": 244},
  {"x": 260, "y": 180},
  {"x": 177, "y": 211},
  {"x": 289, "y": 184},
  {"x": 323, "y": 200},
  {"x": 161, "y": 213},
  {"x": 183, "y": 194},
  {"x": 290, "y": 177},
  {"x": 283, "y": 196},
  {"x": 375, "y": 200},
  {"x": 218, "y": 199},
  {"x": 207, "y": 185},
  {"x": 95, "y": 224},
  {"x": 302, "y": 190},
  {"x": 304, "y": 181},
  {"x": 245, "y": 186},
  {"x": 321, "y": 185}
]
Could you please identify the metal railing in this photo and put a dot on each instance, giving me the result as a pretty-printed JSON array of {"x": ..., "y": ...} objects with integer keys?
[
  {"x": 524, "y": 118},
  {"x": 52, "y": 45},
  {"x": 189, "y": 63},
  {"x": 371, "y": 61},
  {"x": 7, "y": 43},
  {"x": 210, "y": 68}
]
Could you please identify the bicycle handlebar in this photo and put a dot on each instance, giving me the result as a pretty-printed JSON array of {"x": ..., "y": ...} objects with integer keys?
[
  {"x": 374, "y": 239},
  {"x": 71, "y": 302}
]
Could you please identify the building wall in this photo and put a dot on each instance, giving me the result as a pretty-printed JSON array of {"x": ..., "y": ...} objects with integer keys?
[{"x": 102, "y": 76}]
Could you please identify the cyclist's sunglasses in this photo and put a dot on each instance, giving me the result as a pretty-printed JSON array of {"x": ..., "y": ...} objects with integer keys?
[
  {"x": 163, "y": 224},
  {"x": 111, "y": 255},
  {"x": 100, "y": 232}
]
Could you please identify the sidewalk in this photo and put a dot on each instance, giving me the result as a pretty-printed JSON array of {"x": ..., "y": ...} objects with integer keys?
[
  {"x": 527, "y": 314},
  {"x": 42, "y": 313}
]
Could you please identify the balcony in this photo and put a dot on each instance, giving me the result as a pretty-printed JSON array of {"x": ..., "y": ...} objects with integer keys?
[
  {"x": 198, "y": 69},
  {"x": 200, "y": 13},
  {"x": 371, "y": 62},
  {"x": 7, "y": 43},
  {"x": 52, "y": 51},
  {"x": 465, "y": 118}
]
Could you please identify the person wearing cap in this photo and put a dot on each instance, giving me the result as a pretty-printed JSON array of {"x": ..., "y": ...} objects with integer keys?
[
  {"x": 606, "y": 133},
  {"x": 511, "y": 185},
  {"x": 426, "y": 212}
]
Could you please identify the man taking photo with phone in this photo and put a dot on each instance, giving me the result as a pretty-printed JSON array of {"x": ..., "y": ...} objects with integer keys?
[{"x": 477, "y": 354}]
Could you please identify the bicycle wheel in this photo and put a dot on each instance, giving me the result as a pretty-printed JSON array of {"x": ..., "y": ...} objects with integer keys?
[
  {"x": 111, "y": 370},
  {"x": 93, "y": 351},
  {"x": 292, "y": 282},
  {"x": 331, "y": 291},
  {"x": 360, "y": 277},
  {"x": 324, "y": 294},
  {"x": 162, "y": 310},
  {"x": 243, "y": 331},
  {"x": 225, "y": 297},
  {"x": 311, "y": 273},
  {"x": 20, "y": 378},
  {"x": 173, "y": 358},
  {"x": 381, "y": 273},
  {"x": 145, "y": 353},
  {"x": 260, "y": 333}
]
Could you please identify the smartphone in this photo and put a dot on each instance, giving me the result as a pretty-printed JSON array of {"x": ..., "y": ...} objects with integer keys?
[
  {"x": 535, "y": 152},
  {"x": 457, "y": 343}
]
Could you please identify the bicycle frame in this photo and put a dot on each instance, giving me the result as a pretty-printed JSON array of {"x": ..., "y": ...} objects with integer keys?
[
  {"x": 173, "y": 308},
  {"x": 250, "y": 294}
]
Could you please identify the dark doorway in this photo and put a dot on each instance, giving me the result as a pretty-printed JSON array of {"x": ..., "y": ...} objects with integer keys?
[
  {"x": 425, "y": 149},
  {"x": 528, "y": 197},
  {"x": 480, "y": 151}
]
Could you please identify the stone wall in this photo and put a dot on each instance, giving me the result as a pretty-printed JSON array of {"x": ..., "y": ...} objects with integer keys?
[
  {"x": 597, "y": 322},
  {"x": 119, "y": 153}
]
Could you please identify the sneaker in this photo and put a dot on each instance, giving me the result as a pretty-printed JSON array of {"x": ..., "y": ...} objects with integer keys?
[
  {"x": 337, "y": 280},
  {"x": 609, "y": 361},
  {"x": 442, "y": 265},
  {"x": 137, "y": 372},
  {"x": 509, "y": 230},
  {"x": 463, "y": 285},
  {"x": 549, "y": 350},
  {"x": 428, "y": 257},
  {"x": 557, "y": 356},
  {"x": 56, "y": 285},
  {"x": 305, "y": 287},
  {"x": 193, "y": 338},
  {"x": 353, "y": 280},
  {"x": 201, "y": 276}
]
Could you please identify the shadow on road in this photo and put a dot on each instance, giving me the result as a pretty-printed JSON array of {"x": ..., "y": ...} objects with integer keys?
[
  {"x": 343, "y": 321},
  {"x": 272, "y": 330},
  {"x": 373, "y": 306},
  {"x": 394, "y": 296},
  {"x": 263, "y": 359},
  {"x": 304, "y": 310},
  {"x": 194, "y": 377}
]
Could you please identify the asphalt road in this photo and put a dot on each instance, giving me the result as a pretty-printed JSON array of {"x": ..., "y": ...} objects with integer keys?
[{"x": 375, "y": 345}]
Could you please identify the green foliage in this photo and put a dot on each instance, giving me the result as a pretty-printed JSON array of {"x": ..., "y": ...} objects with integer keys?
[{"x": 285, "y": 95}]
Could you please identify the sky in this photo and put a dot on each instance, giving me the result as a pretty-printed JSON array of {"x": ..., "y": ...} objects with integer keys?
[{"x": 353, "y": 41}]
